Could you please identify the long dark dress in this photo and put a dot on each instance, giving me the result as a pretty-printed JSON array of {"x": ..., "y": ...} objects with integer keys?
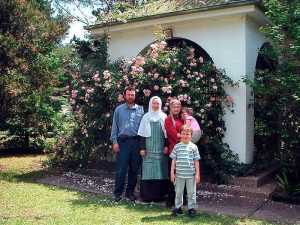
[{"x": 154, "y": 178}]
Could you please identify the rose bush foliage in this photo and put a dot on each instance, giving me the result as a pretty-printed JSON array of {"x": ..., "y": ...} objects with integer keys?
[{"x": 168, "y": 72}]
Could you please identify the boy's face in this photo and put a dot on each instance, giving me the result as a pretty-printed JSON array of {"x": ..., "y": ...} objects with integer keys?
[{"x": 185, "y": 136}]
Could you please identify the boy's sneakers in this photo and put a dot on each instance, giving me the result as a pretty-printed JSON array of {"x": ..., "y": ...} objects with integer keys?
[
  {"x": 192, "y": 213},
  {"x": 176, "y": 212}
]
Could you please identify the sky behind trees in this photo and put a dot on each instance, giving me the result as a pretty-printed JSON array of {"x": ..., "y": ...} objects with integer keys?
[{"x": 76, "y": 27}]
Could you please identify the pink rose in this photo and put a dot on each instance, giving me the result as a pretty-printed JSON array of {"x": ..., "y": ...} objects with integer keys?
[
  {"x": 74, "y": 93},
  {"x": 120, "y": 98},
  {"x": 106, "y": 74},
  {"x": 229, "y": 98},
  {"x": 201, "y": 59},
  {"x": 147, "y": 92}
]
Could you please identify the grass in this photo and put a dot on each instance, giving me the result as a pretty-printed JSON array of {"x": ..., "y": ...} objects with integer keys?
[{"x": 24, "y": 201}]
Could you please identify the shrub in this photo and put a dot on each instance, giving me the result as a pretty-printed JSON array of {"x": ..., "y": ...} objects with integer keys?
[{"x": 169, "y": 72}]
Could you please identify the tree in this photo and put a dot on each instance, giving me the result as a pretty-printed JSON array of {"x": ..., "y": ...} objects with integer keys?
[{"x": 28, "y": 34}]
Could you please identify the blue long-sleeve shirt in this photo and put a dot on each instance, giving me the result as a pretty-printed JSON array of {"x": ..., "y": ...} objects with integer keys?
[{"x": 126, "y": 121}]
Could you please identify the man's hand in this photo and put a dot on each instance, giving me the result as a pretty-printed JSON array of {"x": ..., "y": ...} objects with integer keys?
[
  {"x": 143, "y": 153},
  {"x": 116, "y": 148}
]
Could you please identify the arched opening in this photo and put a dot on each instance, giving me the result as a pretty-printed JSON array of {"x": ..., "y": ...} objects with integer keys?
[
  {"x": 265, "y": 141},
  {"x": 180, "y": 42}
]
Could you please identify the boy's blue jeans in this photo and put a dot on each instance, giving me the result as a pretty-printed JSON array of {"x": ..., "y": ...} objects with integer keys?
[
  {"x": 191, "y": 192},
  {"x": 128, "y": 158}
]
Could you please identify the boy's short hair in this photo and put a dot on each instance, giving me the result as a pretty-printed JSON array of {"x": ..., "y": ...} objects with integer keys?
[{"x": 186, "y": 127}]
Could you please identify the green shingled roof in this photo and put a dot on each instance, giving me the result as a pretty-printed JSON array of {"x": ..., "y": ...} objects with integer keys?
[
  {"x": 191, "y": 4},
  {"x": 163, "y": 8}
]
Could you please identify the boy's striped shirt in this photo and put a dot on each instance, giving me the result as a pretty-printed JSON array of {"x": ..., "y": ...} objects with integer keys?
[{"x": 185, "y": 155}]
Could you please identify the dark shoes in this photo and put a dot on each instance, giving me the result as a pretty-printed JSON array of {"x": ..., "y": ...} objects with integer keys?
[
  {"x": 117, "y": 199},
  {"x": 131, "y": 197},
  {"x": 177, "y": 212},
  {"x": 192, "y": 213}
]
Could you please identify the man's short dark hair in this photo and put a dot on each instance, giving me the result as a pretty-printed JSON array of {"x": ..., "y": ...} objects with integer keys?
[{"x": 129, "y": 88}]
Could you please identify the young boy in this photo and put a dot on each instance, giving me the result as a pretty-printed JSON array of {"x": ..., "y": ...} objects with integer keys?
[{"x": 185, "y": 157}]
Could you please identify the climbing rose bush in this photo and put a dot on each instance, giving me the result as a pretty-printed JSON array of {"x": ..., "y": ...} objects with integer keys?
[{"x": 170, "y": 73}]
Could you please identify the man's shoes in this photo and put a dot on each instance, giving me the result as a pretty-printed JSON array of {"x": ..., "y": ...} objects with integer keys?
[
  {"x": 131, "y": 197},
  {"x": 192, "y": 213},
  {"x": 170, "y": 202},
  {"x": 177, "y": 212},
  {"x": 117, "y": 199}
]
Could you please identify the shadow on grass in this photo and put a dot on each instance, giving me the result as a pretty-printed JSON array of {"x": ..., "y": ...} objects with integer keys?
[
  {"x": 19, "y": 152},
  {"x": 28, "y": 177}
]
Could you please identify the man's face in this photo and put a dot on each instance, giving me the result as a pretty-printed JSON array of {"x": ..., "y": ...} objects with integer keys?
[{"x": 130, "y": 96}]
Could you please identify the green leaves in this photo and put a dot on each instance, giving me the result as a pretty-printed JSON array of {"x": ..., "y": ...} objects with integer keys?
[{"x": 28, "y": 69}]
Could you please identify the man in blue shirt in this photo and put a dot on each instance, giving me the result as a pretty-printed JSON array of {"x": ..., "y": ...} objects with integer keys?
[{"x": 126, "y": 121}]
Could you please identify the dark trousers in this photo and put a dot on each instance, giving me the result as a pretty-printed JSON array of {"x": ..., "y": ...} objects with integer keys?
[{"x": 128, "y": 158}]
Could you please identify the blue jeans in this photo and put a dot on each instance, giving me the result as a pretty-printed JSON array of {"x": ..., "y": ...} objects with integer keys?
[
  {"x": 128, "y": 158},
  {"x": 191, "y": 192}
]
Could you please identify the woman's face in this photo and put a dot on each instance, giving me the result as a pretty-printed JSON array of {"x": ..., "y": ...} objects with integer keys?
[
  {"x": 155, "y": 105},
  {"x": 175, "y": 110}
]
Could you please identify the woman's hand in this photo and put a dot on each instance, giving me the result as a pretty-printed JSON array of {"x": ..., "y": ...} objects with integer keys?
[
  {"x": 143, "y": 152},
  {"x": 166, "y": 150},
  {"x": 197, "y": 178}
]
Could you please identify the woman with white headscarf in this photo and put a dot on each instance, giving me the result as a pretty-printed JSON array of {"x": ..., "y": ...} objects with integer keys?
[{"x": 153, "y": 147}]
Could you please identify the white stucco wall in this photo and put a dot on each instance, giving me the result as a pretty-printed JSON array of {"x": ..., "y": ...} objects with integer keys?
[{"x": 232, "y": 41}]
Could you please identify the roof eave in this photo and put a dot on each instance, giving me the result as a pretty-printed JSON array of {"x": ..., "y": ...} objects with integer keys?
[{"x": 258, "y": 3}]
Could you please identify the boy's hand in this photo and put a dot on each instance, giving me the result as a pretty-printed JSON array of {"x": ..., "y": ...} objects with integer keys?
[
  {"x": 143, "y": 153},
  {"x": 172, "y": 178},
  {"x": 197, "y": 178},
  {"x": 166, "y": 150}
]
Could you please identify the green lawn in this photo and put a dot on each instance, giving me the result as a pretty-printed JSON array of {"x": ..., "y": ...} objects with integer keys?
[{"x": 24, "y": 201}]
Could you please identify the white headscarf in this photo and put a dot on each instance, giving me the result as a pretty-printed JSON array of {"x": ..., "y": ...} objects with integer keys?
[{"x": 152, "y": 116}]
